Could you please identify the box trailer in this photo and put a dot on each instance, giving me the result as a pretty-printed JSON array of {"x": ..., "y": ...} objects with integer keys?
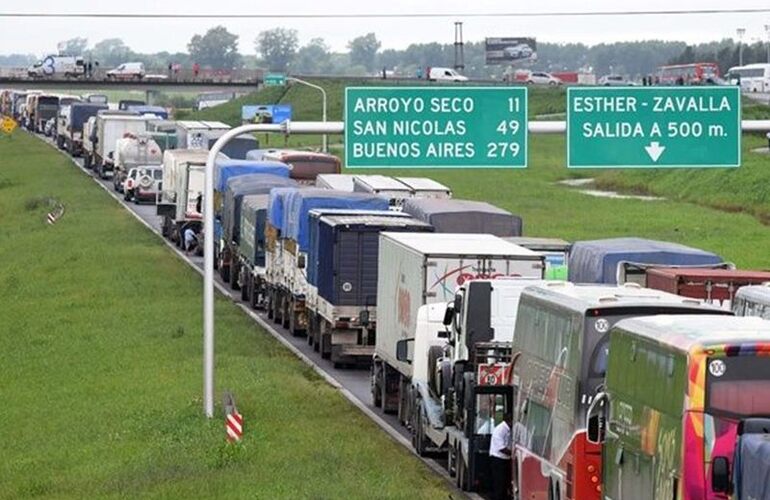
[
  {"x": 464, "y": 216},
  {"x": 387, "y": 187},
  {"x": 339, "y": 182},
  {"x": 342, "y": 271},
  {"x": 417, "y": 269},
  {"x": 555, "y": 250},
  {"x": 111, "y": 126},
  {"x": 305, "y": 165},
  {"x": 422, "y": 187},
  {"x": 197, "y": 134},
  {"x": 712, "y": 285},
  {"x": 73, "y": 118},
  {"x": 620, "y": 260}
]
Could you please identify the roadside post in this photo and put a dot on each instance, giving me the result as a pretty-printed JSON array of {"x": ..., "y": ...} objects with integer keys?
[
  {"x": 436, "y": 127},
  {"x": 233, "y": 419},
  {"x": 653, "y": 127},
  {"x": 208, "y": 235}
]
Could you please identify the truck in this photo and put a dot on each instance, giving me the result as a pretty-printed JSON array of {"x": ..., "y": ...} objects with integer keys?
[
  {"x": 58, "y": 66},
  {"x": 423, "y": 187},
  {"x": 197, "y": 134},
  {"x": 717, "y": 286},
  {"x": 72, "y": 120},
  {"x": 417, "y": 269},
  {"x": 305, "y": 165},
  {"x": 111, "y": 126},
  {"x": 131, "y": 151},
  {"x": 342, "y": 279},
  {"x": 183, "y": 183},
  {"x": 464, "y": 216},
  {"x": 229, "y": 238},
  {"x": 384, "y": 186},
  {"x": 555, "y": 250},
  {"x": 459, "y": 387},
  {"x": 620, "y": 260},
  {"x": 252, "y": 248},
  {"x": 288, "y": 245},
  {"x": 46, "y": 107},
  {"x": 340, "y": 182}
]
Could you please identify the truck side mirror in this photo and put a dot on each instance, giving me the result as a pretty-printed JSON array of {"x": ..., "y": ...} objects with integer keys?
[
  {"x": 402, "y": 350},
  {"x": 720, "y": 475},
  {"x": 301, "y": 261},
  {"x": 449, "y": 313}
]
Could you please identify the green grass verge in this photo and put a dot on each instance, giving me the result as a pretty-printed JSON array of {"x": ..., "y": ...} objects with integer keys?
[{"x": 100, "y": 349}]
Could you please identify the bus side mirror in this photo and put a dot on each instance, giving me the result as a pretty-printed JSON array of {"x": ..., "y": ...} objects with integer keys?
[
  {"x": 402, "y": 350},
  {"x": 720, "y": 475},
  {"x": 596, "y": 419}
]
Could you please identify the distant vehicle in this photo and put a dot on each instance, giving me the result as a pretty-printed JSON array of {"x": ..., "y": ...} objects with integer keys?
[
  {"x": 111, "y": 126},
  {"x": 58, "y": 66},
  {"x": 752, "y": 77},
  {"x": 541, "y": 78},
  {"x": 699, "y": 73},
  {"x": 49, "y": 127},
  {"x": 72, "y": 121},
  {"x": 445, "y": 75},
  {"x": 154, "y": 77},
  {"x": 95, "y": 98},
  {"x": 127, "y": 71},
  {"x": 147, "y": 184},
  {"x": 133, "y": 151},
  {"x": 615, "y": 81},
  {"x": 520, "y": 51},
  {"x": 211, "y": 99},
  {"x": 124, "y": 104},
  {"x": 46, "y": 107}
]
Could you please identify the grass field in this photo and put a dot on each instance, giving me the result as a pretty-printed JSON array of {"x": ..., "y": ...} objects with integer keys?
[{"x": 100, "y": 348}]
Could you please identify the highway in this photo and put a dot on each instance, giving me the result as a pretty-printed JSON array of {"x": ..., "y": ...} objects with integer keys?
[{"x": 353, "y": 384}]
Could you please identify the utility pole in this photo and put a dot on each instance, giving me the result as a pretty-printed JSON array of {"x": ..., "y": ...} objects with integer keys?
[
  {"x": 459, "y": 51},
  {"x": 767, "y": 32},
  {"x": 740, "y": 32}
]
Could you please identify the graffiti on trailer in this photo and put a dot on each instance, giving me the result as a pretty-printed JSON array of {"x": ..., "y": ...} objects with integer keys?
[{"x": 462, "y": 275}]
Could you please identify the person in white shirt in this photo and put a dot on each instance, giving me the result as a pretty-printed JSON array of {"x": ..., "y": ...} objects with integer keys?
[{"x": 500, "y": 458}]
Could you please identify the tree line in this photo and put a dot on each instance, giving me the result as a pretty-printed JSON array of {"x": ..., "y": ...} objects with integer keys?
[{"x": 279, "y": 50}]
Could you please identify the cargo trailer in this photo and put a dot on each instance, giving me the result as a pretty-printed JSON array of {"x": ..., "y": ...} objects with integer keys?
[
  {"x": 74, "y": 117},
  {"x": 712, "y": 285},
  {"x": 111, "y": 126},
  {"x": 464, "y": 216},
  {"x": 555, "y": 250},
  {"x": 387, "y": 187},
  {"x": 422, "y": 187},
  {"x": 339, "y": 182}
]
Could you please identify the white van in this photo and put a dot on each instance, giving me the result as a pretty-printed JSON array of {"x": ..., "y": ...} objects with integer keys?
[
  {"x": 445, "y": 75},
  {"x": 127, "y": 71},
  {"x": 58, "y": 66}
]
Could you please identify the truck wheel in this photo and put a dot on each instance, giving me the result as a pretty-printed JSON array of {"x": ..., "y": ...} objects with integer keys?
[
  {"x": 86, "y": 161},
  {"x": 376, "y": 383},
  {"x": 286, "y": 311},
  {"x": 277, "y": 307},
  {"x": 326, "y": 347},
  {"x": 462, "y": 473},
  {"x": 234, "y": 275},
  {"x": 224, "y": 273},
  {"x": 246, "y": 290},
  {"x": 418, "y": 435}
]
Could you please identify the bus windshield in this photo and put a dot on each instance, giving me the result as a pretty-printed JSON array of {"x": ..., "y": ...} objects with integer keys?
[{"x": 738, "y": 386}]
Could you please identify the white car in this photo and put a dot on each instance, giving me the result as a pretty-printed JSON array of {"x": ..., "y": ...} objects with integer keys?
[
  {"x": 541, "y": 78},
  {"x": 520, "y": 51},
  {"x": 127, "y": 71},
  {"x": 614, "y": 81}
]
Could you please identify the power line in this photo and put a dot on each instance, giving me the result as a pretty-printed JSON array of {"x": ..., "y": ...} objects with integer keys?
[{"x": 126, "y": 15}]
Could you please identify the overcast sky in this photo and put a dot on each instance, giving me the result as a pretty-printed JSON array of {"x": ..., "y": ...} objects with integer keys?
[{"x": 40, "y": 36}]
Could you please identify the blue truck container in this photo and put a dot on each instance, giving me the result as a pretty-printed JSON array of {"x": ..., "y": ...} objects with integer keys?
[
  {"x": 241, "y": 186},
  {"x": 597, "y": 261},
  {"x": 315, "y": 215},
  {"x": 301, "y": 202},
  {"x": 348, "y": 250},
  {"x": 226, "y": 169},
  {"x": 253, "y": 225},
  {"x": 276, "y": 208},
  {"x": 464, "y": 216},
  {"x": 158, "y": 111}
]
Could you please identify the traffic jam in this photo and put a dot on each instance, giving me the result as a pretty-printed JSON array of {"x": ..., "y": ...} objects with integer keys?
[{"x": 528, "y": 367}]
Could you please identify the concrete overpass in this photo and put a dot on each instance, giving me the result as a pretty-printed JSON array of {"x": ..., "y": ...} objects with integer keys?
[{"x": 165, "y": 85}]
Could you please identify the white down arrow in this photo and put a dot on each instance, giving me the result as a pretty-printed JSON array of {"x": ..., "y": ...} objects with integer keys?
[{"x": 655, "y": 150}]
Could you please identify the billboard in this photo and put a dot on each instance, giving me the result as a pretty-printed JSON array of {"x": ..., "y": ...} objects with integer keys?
[
  {"x": 510, "y": 50},
  {"x": 266, "y": 113}
]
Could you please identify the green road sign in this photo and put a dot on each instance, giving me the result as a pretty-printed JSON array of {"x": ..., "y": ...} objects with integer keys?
[
  {"x": 653, "y": 127},
  {"x": 275, "y": 79},
  {"x": 436, "y": 127}
]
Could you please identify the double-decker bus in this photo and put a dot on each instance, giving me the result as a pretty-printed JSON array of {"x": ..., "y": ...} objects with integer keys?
[
  {"x": 699, "y": 73},
  {"x": 685, "y": 410},
  {"x": 559, "y": 359}
]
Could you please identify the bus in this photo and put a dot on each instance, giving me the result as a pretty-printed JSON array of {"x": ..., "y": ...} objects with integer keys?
[
  {"x": 753, "y": 300},
  {"x": 699, "y": 73},
  {"x": 752, "y": 77},
  {"x": 683, "y": 395},
  {"x": 559, "y": 357}
]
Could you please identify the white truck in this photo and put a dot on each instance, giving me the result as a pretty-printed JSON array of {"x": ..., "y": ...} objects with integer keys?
[
  {"x": 417, "y": 269},
  {"x": 459, "y": 386},
  {"x": 111, "y": 126},
  {"x": 183, "y": 183},
  {"x": 198, "y": 134}
]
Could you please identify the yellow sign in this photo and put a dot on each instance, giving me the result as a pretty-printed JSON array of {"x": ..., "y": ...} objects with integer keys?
[{"x": 7, "y": 125}]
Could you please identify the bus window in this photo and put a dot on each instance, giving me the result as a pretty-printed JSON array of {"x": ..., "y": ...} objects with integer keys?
[
  {"x": 538, "y": 423},
  {"x": 599, "y": 358},
  {"x": 739, "y": 385}
]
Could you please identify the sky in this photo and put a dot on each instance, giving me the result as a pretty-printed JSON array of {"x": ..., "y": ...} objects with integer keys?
[{"x": 40, "y": 36}]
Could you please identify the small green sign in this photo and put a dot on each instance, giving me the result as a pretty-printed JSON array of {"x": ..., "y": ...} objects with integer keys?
[
  {"x": 653, "y": 127},
  {"x": 436, "y": 127},
  {"x": 275, "y": 79}
]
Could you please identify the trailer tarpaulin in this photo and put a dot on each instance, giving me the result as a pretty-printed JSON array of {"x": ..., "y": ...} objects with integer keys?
[
  {"x": 227, "y": 169},
  {"x": 239, "y": 187},
  {"x": 464, "y": 216}
]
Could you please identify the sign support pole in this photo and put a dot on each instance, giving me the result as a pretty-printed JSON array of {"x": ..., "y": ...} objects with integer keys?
[{"x": 325, "y": 146}]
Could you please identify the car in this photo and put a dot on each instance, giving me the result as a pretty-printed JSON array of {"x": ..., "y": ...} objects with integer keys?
[
  {"x": 127, "y": 71},
  {"x": 520, "y": 51},
  {"x": 445, "y": 75},
  {"x": 614, "y": 81},
  {"x": 128, "y": 184},
  {"x": 147, "y": 184},
  {"x": 541, "y": 78}
]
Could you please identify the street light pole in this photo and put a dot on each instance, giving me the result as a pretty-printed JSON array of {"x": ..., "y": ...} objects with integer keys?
[
  {"x": 767, "y": 32},
  {"x": 740, "y": 32},
  {"x": 325, "y": 146}
]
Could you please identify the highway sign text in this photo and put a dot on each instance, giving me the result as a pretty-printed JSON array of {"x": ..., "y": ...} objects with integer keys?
[
  {"x": 275, "y": 79},
  {"x": 436, "y": 127},
  {"x": 666, "y": 127}
]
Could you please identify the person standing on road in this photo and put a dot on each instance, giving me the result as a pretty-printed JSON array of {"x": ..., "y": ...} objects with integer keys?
[
  {"x": 500, "y": 458},
  {"x": 196, "y": 70}
]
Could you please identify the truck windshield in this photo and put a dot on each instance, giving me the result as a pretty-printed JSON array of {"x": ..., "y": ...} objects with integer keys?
[{"x": 738, "y": 386}]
